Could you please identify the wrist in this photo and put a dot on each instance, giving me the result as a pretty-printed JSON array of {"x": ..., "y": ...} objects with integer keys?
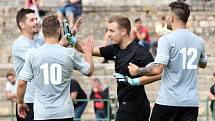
[
  {"x": 136, "y": 81},
  {"x": 20, "y": 102}
]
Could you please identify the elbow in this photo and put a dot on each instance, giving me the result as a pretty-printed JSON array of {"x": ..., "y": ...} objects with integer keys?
[
  {"x": 90, "y": 73},
  {"x": 202, "y": 65},
  {"x": 157, "y": 71}
]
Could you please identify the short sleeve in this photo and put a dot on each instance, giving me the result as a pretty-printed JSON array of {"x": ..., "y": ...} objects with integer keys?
[
  {"x": 163, "y": 51},
  {"x": 26, "y": 72},
  {"x": 108, "y": 52},
  {"x": 80, "y": 64},
  {"x": 21, "y": 50}
]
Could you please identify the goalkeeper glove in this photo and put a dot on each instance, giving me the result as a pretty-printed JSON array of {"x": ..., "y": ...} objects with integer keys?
[
  {"x": 68, "y": 34},
  {"x": 122, "y": 78}
]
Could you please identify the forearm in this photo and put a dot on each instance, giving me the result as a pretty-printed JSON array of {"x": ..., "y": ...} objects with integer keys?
[
  {"x": 89, "y": 60},
  {"x": 151, "y": 69},
  {"x": 78, "y": 46},
  {"x": 21, "y": 91},
  {"x": 149, "y": 79}
]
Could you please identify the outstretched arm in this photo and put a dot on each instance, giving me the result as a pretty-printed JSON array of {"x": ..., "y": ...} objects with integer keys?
[
  {"x": 87, "y": 50},
  {"x": 79, "y": 47}
]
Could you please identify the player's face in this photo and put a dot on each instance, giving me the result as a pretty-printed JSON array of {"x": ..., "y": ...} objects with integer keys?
[
  {"x": 11, "y": 79},
  {"x": 138, "y": 24},
  {"x": 31, "y": 24},
  {"x": 114, "y": 33},
  {"x": 169, "y": 20}
]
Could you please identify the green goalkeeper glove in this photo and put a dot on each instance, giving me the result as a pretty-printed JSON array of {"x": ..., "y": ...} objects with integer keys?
[
  {"x": 68, "y": 34},
  {"x": 122, "y": 78}
]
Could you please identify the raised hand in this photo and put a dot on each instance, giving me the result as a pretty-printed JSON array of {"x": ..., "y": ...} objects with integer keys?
[
  {"x": 133, "y": 69},
  {"x": 88, "y": 45},
  {"x": 22, "y": 108},
  {"x": 77, "y": 25}
]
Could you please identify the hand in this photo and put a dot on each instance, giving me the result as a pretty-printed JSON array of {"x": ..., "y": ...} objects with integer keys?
[
  {"x": 133, "y": 69},
  {"x": 68, "y": 34},
  {"x": 135, "y": 29},
  {"x": 88, "y": 45},
  {"x": 22, "y": 108},
  {"x": 77, "y": 25},
  {"x": 122, "y": 78}
]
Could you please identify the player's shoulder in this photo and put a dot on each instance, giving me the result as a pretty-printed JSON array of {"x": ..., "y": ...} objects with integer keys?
[
  {"x": 39, "y": 39},
  {"x": 167, "y": 36},
  {"x": 20, "y": 43},
  {"x": 69, "y": 50},
  {"x": 196, "y": 38}
]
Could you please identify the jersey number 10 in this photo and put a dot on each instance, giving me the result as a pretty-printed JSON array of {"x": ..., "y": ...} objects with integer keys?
[
  {"x": 54, "y": 73},
  {"x": 190, "y": 63}
]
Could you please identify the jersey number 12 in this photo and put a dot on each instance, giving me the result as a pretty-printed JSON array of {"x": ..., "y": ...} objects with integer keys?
[
  {"x": 54, "y": 73},
  {"x": 189, "y": 52}
]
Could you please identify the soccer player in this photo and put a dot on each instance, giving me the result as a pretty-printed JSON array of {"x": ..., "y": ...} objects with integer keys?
[
  {"x": 28, "y": 25},
  {"x": 133, "y": 102},
  {"x": 50, "y": 67},
  {"x": 180, "y": 53}
]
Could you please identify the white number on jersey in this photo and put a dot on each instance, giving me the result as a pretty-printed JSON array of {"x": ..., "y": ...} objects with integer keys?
[
  {"x": 185, "y": 54},
  {"x": 55, "y": 72}
]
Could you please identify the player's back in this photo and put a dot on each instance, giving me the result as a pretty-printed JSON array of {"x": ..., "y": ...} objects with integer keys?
[
  {"x": 53, "y": 66},
  {"x": 179, "y": 79}
]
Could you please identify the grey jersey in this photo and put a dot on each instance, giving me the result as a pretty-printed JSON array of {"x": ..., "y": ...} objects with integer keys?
[
  {"x": 21, "y": 47},
  {"x": 51, "y": 67},
  {"x": 180, "y": 51}
]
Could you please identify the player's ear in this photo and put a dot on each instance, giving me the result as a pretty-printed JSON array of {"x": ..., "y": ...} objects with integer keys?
[
  {"x": 59, "y": 31},
  {"x": 123, "y": 32},
  {"x": 172, "y": 17},
  {"x": 22, "y": 25}
]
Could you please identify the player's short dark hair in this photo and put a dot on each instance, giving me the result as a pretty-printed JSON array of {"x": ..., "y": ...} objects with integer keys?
[
  {"x": 50, "y": 26},
  {"x": 181, "y": 10},
  {"x": 10, "y": 74},
  {"x": 122, "y": 21},
  {"x": 214, "y": 74},
  {"x": 21, "y": 15},
  {"x": 137, "y": 20}
]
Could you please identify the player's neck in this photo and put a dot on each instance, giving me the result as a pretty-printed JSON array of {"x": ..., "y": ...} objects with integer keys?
[
  {"x": 125, "y": 42},
  {"x": 178, "y": 26},
  {"x": 28, "y": 35},
  {"x": 51, "y": 41}
]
